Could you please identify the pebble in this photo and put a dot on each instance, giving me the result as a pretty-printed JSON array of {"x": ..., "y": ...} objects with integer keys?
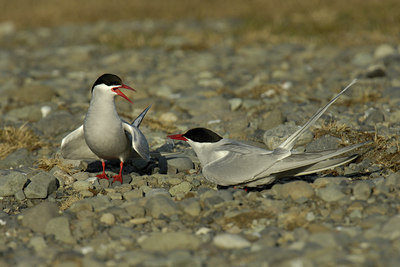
[
  {"x": 361, "y": 191},
  {"x": 230, "y": 241},
  {"x": 383, "y": 51},
  {"x": 235, "y": 103},
  {"x": 107, "y": 218},
  {"x": 164, "y": 242},
  {"x": 180, "y": 163},
  {"x": 133, "y": 194},
  {"x": 63, "y": 178},
  {"x": 81, "y": 185},
  {"x": 191, "y": 206},
  {"x": 37, "y": 217},
  {"x": 331, "y": 193},
  {"x": 11, "y": 182},
  {"x": 160, "y": 205},
  {"x": 181, "y": 188},
  {"x": 41, "y": 185},
  {"x": 325, "y": 142},
  {"x": 60, "y": 228},
  {"x": 80, "y": 176},
  {"x": 38, "y": 243},
  {"x": 297, "y": 190}
]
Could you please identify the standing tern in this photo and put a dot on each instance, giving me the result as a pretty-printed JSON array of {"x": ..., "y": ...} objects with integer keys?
[
  {"x": 103, "y": 134},
  {"x": 228, "y": 162}
]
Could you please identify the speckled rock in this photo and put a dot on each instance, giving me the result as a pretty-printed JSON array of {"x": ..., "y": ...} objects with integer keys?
[{"x": 11, "y": 182}]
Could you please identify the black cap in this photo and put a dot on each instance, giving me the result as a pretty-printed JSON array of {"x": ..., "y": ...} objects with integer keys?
[
  {"x": 108, "y": 79},
  {"x": 202, "y": 135}
]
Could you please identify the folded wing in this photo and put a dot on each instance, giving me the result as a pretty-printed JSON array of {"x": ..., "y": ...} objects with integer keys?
[{"x": 74, "y": 146}]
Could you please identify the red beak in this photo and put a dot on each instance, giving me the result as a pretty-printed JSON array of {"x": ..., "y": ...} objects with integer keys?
[
  {"x": 177, "y": 137},
  {"x": 116, "y": 89}
]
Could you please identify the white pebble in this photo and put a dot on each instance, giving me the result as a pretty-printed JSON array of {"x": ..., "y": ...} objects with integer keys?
[
  {"x": 107, "y": 218},
  {"x": 45, "y": 111},
  {"x": 231, "y": 241}
]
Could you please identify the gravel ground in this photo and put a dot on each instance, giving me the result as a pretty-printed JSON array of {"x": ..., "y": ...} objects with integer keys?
[{"x": 56, "y": 213}]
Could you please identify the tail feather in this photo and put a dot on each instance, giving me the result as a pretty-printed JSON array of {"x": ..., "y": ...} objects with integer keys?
[
  {"x": 289, "y": 143},
  {"x": 139, "y": 118}
]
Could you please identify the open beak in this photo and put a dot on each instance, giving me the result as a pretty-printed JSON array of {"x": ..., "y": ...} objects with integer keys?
[
  {"x": 177, "y": 137},
  {"x": 116, "y": 89}
]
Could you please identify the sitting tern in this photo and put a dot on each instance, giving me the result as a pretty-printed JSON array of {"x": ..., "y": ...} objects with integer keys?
[
  {"x": 228, "y": 162},
  {"x": 103, "y": 134}
]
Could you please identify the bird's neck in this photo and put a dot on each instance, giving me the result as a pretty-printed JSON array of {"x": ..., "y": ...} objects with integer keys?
[{"x": 102, "y": 108}]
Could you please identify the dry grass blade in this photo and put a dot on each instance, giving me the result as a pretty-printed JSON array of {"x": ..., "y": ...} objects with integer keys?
[
  {"x": 70, "y": 200},
  {"x": 385, "y": 149},
  {"x": 48, "y": 164},
  {"x": 12, "y": 138}
]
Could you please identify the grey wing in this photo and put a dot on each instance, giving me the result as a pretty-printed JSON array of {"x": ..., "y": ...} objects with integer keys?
[
  {"x": 237, "y": 168},
  {"x": 247, "y": 169},
  {"x": 138, "y": 120},
  {"x": 304, "y": 170},
  {"x": 139, "y": 141},
  {"x": 74, "y": 146},
  {"x": 298, "y": 160}
]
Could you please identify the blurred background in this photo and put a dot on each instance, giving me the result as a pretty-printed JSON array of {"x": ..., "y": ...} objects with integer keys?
[{"x": 341, "y": 22}]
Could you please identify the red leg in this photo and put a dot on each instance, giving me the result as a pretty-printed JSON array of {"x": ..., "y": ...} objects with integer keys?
[
  {"x": 118, "y": 178},
  {"x": 103, "y": 175}
]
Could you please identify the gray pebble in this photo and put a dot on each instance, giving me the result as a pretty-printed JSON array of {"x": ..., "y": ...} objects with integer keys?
[
  {"x": 81, "y": 185},
  {"x": 331, "y": 193},
  {"x": 38, "y": 243},
  {"x": 157, "y": 191},
  {"x": 393, "y": 179},
  {"x": 11, "y": 182},
  {"x": 191, "y": 206},
  {"x": 181, "y": 188},
  {"x": 99, "y": 202},
  {"x": 297, "y": 190},
  {"x": 59, "y": 227},
  {"x": 38, "y": 216},
  {"x": 133, "y": 194},
  {"x": 20, "y": 195},
  {"x": 134, "y": 209},
  {"x": 63, "y": 178},
  {"x": 80, "y": 176},
  {"x": 181, "y": 163},
  {"x": 325, "y": 142},
  {"x": 41, "y": 185},
  {"x": 361, "y": 191},
  {"x": 159, "y": 205},
  {"x": 170, "y": 241}
]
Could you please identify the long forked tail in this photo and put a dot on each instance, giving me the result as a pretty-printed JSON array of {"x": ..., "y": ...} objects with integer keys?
[
  {"x": 289, "y": 143},
  {"x": 139, "y": 118}
]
